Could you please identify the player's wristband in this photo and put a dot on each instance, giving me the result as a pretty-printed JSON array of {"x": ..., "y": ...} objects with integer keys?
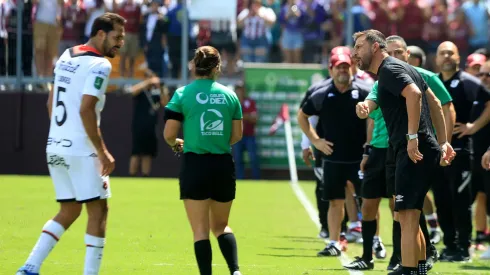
[{"x": 367, "y": 150}]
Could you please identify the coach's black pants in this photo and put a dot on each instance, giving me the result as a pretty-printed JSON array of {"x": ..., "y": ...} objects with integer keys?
[
  {"x": 453, "y": 199},
  {"x": 320, "y": 203}
]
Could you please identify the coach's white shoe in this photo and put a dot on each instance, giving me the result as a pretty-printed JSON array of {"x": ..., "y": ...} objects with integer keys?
[
  {"x": 486, "y": 254},
  {"x": 237, "y": 273}
]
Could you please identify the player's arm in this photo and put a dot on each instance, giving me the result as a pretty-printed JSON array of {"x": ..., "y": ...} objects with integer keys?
[
  {"x": 363, "y": 109},
  {"x": 49, "y": 103},
  {"x": 450, "y": 118},
  {"x": 369, "y": 130},
  {"x": 437, "y": 116},
  {"x": 89, "y": 120},
  {"x": 413, "y": 98},
  {"x": 440, "y": 91}
]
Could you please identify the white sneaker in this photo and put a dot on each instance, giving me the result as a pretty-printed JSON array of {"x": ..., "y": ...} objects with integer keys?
[
  {"x": 486, "y": 255},
  {"x": 237, "y": 273}
]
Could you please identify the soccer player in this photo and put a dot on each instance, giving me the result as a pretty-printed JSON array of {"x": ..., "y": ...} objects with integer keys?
[
  {"x": 403, "y": 99},
  {"x": 211, "y": 116},
  {"x": 453, "y": 193},
  {"x": 78, "y": 160},
  {"x": 375, "y": 183},
  {"x": 344, "y": 137}
]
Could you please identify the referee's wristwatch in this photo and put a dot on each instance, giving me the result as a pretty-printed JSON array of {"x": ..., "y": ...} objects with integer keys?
[{"x": 411, "y": 136}]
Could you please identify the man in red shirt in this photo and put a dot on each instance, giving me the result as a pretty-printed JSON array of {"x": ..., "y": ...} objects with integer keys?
[
  {"x": 248, "y": 142},
  {"x": 132, "y": 12}
]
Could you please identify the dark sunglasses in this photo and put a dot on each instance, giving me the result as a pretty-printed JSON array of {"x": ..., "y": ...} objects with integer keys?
[{"x": 484, "y": 74}]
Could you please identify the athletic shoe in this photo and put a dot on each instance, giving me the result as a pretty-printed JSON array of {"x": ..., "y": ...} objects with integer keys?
[
  {"x": 435, "y": 236},
  {"x": 447, "y": 254},
  {"x": 360, "y": 264},
  {"x": 354, "y": 234},
  {"x": 329, "y": 251},
  {"x": 398, "y": 270},
  {"x": 379, "y": 249},
  {"x": 461, "y": 256},
  {"x": 394, "y": 262},
  {"x": 22, "y": 271},
  {"x": 486, "y": 254},
  {"x": 323, "y": 233},
  {"x": 479, "y": 247}
]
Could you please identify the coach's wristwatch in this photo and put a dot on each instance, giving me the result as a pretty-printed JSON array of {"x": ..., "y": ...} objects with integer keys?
[{"x": 411, "y": 136}]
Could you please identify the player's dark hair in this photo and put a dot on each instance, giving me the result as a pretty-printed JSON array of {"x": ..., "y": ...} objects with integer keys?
[
  {"x": 396, "y": 38},
  {"x": 206, "y": 58},
  {"x": 372, "y": 36},
  {"x": 106, "y": 23}
]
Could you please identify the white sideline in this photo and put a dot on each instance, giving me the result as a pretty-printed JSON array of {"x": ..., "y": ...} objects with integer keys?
[{"x": 312, "y": 212}]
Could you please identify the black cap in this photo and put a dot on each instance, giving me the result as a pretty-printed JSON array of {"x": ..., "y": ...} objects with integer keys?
[{"x": 418, "y": 53}]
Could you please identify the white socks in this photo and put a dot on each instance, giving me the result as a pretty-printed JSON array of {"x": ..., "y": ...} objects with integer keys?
[
  {"x": 93, "y": 256},
  {"x": 52, "y": 232},
  {"x": 353, "y": 225}
]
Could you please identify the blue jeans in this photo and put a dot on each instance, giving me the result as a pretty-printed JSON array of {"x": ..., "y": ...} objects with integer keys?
[{"x": 247, "y": 143}]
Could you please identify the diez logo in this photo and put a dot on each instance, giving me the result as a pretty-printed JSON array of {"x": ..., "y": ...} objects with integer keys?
[
  {"x": 203, "y": 98},
  {"x": 55, "y": 160},
  {"x": 63, "y": 142}
]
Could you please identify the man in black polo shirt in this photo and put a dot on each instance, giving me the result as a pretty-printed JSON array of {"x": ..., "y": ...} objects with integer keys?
[
  {"x": 344, "y": 137},
  {"x": 453, "y": 193},
  {"x": 403, "y": 99}
]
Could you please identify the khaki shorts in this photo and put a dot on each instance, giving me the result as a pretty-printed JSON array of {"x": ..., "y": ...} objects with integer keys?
[
  {"x": 131, "y": 45},
  {"x": 47, "y": 38}
]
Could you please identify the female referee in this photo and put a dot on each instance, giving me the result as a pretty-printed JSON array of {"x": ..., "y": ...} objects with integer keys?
[{"x": 212, "y": 119}]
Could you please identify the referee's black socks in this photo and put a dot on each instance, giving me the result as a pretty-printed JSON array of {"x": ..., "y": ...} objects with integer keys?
[
  {"x": 204, "y": 256},
  {"x": 227, "y": 244},
  {"x": 368, "y": 232}
]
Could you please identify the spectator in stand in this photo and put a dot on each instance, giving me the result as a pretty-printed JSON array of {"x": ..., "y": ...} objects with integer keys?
[
  {"x": 383, "y": 16},
  {"x": 247, "y": 143},
  {"x": 459, "y": 32},
  {"x": 255, "y": 21},
  {"x": 411, "y": 20},
  {"x": 477, "y": 15},
  {"x": 312, "y": 31},
  {"x": 72, "y": 20},
  {"x": 174, "y": 37},
  {"x": 474, "y": 63},
  {"x": 435, "y": 31},
  {"x": 224, "y": 38},
  {"x": 275, "y": 55},
  {"x": 336, "y": 25},
  {"x": 292, "y": 20},
  {"x": 94, "y": 9},
  {"x": 131, "y": 11},
  {"x": 153, "y": 38},
  {"x": 484, "y": 51},
  {"x": 47, "y": 34}
]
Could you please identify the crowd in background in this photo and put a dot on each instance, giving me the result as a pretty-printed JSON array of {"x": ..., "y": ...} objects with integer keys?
[{"x": 292, "y": 31}]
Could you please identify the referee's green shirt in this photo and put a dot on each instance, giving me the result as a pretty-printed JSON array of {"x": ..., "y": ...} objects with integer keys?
[
  {"x": 380, "y": 133},
  {"x": 208, "y": 109}
]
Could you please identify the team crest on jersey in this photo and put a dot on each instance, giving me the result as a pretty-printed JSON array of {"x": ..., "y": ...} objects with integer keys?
[{"x": 98, "y": 82}]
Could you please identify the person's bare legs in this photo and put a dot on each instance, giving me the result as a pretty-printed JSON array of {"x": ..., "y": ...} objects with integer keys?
[
  {"x": 134, "y": 163},
  {"x": 146, "y": 165},
  {"x": 410, "y": 239},
  {"x": 198, "y": 215}
]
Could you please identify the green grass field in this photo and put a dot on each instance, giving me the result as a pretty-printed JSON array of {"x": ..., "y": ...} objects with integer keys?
[{"x": 148, "y": 232}]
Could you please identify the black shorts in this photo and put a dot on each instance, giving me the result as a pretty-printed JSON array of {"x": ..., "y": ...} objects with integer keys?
[
  {"x": 413, "y": 180},
  {"x": 335, "y": 177},
  {"x": 478, "y": 176},
  {"x": 144, "y": 143},
  {"x": 374, "y": 181},
  {"x": 207, "y": 176},
  {"x": 390, "y": 171}
]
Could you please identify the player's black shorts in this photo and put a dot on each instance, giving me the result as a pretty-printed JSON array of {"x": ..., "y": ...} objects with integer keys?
[
  {"x": 374, "y": 181},
  {"x": 390, "y": 171},
  {"x": 207, "y": 176},
  {"x": 413, "y": 180},
  {"x": 335, "y": 177}
]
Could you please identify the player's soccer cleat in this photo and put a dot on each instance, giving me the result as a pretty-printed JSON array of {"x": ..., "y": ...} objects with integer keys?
[
  {"x": 323, "y": 233},
  {"x": 379, "y": 249},
  {"x": 360, "y": 264},
  {"x": 329, "y": 251},
  {"x": 398, "y": 270},
  {"x": 22, "y": 271},
  {"x": 486, "y": 254},
  {"x": 435, "y": 236},
  {"x": 354, "y": 234}
]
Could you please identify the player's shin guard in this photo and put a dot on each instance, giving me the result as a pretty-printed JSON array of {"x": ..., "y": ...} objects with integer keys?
[
  {"x": 50, "y": 235},
  {"x": 93, "y": 254},
  {"x": 227, "y": 244},
  {"x": 204, "y": 256}
]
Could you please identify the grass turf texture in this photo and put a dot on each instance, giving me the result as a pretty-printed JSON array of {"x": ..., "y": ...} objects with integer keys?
[{"x": 148, "y": 232}]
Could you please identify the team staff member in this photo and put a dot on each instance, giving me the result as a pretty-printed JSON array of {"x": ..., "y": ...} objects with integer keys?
[
  {"x": 485, "y": 160},
  {"x": 345, "y": 135},
  {"x": 375, "y": 185},
  {"x": 211, "y": 115},
  {"x": 453, "y": 194},
  {"x": 408, "y": 118}
]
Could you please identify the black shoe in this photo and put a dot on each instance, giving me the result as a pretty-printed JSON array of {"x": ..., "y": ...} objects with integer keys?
[
  {"x": 461, "y": 256},
  {"x": 393, "y": 263},
  {"x": 447, "y": 254},
  {"x": 329, "y": 251},
  {"x": 432, "y": 256},
  {"x": 323, "y": 233},
  {"x": 398, "y": 270},
  {"x": 360, "y": 264}
]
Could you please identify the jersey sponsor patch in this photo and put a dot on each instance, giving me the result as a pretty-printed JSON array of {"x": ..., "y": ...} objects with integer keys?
[
  {"x": 212, "y": 123},
  {"x": 98, "y": 82}
]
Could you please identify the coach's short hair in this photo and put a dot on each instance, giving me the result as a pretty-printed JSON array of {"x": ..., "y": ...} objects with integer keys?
[
  {"x": 372, "y": 36},
  {"x": 106, "y": 23},
  {"x": 396, "y": 38}
]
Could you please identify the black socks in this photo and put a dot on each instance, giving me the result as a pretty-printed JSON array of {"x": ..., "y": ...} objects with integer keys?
[
  {"x": 227, "y": 244},
  {"x": 368, "y": 232},
  {"x": 204, "y": 256}
]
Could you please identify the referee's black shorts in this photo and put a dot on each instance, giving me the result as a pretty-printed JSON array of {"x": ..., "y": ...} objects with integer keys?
[
  {"x": 413, "y": 180},
  {"x": 207, "y": 176},
  {"x": 335, "y": 177},
  {"x": 374, "y": 181},
  {"x": 390, "y": 171}
]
